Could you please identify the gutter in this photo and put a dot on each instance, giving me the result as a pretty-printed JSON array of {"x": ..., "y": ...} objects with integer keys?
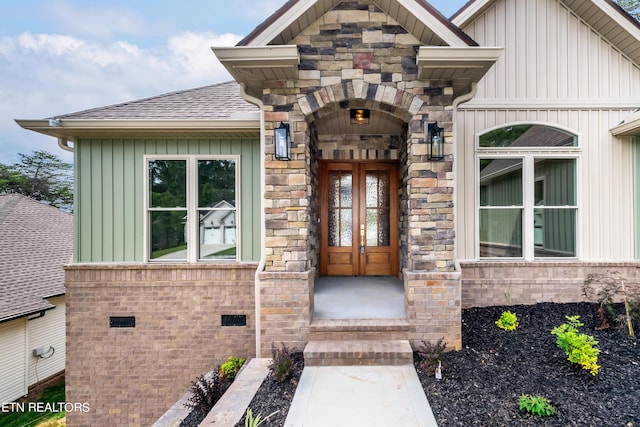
[
  {"x": 263, "y": 230},
  {"x": 64, "y": 144}
]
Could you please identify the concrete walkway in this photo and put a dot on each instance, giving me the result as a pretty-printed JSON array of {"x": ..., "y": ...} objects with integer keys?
[{"x": 360, "y": 395}]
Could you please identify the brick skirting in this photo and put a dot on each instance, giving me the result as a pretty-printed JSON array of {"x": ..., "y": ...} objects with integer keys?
[
  {"x": 510, "y": 283},
  {"x": 131, "y": 376}
]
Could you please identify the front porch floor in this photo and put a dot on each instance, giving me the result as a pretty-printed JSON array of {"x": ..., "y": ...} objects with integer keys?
[{"x": 377, "y": 297}]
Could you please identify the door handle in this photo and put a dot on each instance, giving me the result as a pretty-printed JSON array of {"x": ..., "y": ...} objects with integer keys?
[{"x": 362, "y": 238}]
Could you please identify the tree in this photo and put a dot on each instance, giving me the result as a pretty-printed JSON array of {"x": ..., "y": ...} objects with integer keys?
[
  {"x": 42, "y": 176},
  {"x": 631, "y": 6}
]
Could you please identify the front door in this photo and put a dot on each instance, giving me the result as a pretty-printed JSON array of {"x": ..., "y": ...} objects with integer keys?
[{"x": 358, "y": 219}]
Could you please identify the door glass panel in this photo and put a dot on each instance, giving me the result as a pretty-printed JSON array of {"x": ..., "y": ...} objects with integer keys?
[
  {"x": 377, "y": 208},
  {"x": 340, "y": 208}
]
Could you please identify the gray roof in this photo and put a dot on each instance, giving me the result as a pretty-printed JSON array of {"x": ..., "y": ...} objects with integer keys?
[
  {"x": 36, "y": 240},
  {"x": 218, "y": 101}
]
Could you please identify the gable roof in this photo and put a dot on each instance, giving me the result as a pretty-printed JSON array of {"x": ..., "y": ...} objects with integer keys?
[
  {"x": 447, "y": 53},
  {"x": 214, "y": 110},
  {"x": 604, "y": 16},
  {"x": 424, "y": 21},
  {"x": 36, "y": 240}
]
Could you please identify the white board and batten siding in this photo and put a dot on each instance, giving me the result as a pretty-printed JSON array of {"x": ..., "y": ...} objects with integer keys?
[
  {"x": 13, "y": 362},
  {"x": 558, "y": 71},
  {"x": 19, "y": 369},
  {"x": 47, "y": 332}
]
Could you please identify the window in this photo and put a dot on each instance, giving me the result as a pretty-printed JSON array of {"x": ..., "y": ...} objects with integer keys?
[
  {"x": 527, "y": 193},
  {"x": 183, "y": 189}
]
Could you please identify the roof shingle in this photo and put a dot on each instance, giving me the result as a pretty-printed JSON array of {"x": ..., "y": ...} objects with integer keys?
[
  {"x": 36, "y": 240},
  {"x": 218, "y": 101}
]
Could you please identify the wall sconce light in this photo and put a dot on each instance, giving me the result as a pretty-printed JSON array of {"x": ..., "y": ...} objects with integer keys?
[
  {"x": 435, "y": 137},
  {"x": 282, "y": 141},
  {"x": 359, "y": 116}
]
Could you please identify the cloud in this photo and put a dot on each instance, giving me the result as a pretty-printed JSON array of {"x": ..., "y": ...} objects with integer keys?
[
  {"x": 52, "y": 74},
  {"x": 96, "y": 22}
]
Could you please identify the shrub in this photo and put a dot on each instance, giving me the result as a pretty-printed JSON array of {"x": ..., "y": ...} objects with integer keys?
[
  {"x": 431, "y": 355},
  {"x": 230, "y": 368},
  {"x": 578, "y": 347},
  {"x": 536, "y": 405},
  {"x": 281, "y": 362},
  {"x": 608, "y": 288},
  {"x": 206, "y": 391},
  {"x": 507, "y": 321}
]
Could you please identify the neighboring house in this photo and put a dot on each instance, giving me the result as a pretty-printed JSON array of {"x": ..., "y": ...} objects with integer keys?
[
  {"x": 537, "y": 187},
  {"x": 36, "y": 241}
]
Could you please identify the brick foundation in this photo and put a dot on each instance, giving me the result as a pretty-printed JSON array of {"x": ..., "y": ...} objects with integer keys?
[
  {"x": 509, "y": 283},
  {"x": 286, "y": 307},
  {"x": 131, "y": 376},
  {"x": 432, "y": 301}
]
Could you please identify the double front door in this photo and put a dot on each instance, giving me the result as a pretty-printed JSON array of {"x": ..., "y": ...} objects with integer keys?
[{"x": 358, "y": 219}]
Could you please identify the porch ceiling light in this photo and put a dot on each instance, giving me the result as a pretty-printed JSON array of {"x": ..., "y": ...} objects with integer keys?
[
  {"x": 282, "y": 141},
  {"x": 435, "y": 138},
  {"x": 359, "y": 116}
]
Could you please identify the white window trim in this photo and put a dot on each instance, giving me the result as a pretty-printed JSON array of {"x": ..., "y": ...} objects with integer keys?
[
  {"x": 528, "y": 156},
  {"x": 192, "y": 208}
]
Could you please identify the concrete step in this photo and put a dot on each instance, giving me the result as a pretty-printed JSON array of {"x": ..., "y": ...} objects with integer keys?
[
  {"x": 358, "y": 353},
  {"x": 358, "y": 329}
]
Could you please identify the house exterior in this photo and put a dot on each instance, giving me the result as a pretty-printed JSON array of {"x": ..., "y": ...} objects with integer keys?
[
  {"x": 536, "y": 188},
  {"x": 36, "y": 243}
]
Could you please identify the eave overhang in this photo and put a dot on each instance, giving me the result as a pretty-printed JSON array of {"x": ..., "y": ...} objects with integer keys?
[
  {"x": 72, "y": 129},
  {"x": 253, "y": 65},
  {"x": 629, "y": 126},
  {"x": 462, "y": 66}
]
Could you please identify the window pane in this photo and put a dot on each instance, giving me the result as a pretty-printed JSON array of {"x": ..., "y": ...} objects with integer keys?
[
  {"x": 554, "y": 232},
  {"x": 218, "y": 234},
  {"x": 340, "y": 227},
  {"x": 501, "y": 182},
  {"x": 555, "y": 182},
  {"x": 167, "y": 183},
  {"x": 528, "y": 136},
  {"x": 167, "y": 235},
  {"x": 500, "y": 233},
  {"x": 216, "y": 183}
]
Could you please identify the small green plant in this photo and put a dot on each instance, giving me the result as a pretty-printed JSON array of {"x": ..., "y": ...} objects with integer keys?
[
  {"x": 281, "y": 362},
  {"x": 507, "y": 321},
  {"x": 431, "y": 355},
  {"x": 231, "y": 367},
  {"x": 578, "y": 347},
  {"x": 251, "y": 421},
  {"x": 536, "y": 405}
]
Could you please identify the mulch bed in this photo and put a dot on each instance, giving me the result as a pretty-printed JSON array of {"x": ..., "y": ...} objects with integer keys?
[{"x": 482, "y": 382}]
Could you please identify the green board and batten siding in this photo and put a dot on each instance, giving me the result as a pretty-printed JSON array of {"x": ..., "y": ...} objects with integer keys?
[{"x": 109, "y": 176}]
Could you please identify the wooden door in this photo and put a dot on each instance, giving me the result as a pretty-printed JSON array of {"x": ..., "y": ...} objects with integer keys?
[{"x": 358, "y": 219}]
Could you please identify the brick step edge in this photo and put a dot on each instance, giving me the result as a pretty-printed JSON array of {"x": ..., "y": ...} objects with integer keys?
[
  {"x": 373, "y": 352},
  {"x": 359, "y": 325}
]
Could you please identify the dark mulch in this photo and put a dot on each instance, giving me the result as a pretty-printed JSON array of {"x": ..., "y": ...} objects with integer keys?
[
  {"x": 482, "y": 382},
  {"x": 275, "y": 396}
]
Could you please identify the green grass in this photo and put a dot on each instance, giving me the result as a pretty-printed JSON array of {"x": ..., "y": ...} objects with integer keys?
[
  {"x": 161, "y": 252},
  {"x": 53, "y": 394}
]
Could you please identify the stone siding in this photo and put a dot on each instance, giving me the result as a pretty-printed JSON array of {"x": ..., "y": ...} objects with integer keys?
[
  {"x": 510, "y": 283},
  {"x": 355, "y": 56},
  {"x": 131, "y": 376}
]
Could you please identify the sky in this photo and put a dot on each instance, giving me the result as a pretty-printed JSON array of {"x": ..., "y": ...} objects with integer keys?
[{"x": 63, "y": 56}]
